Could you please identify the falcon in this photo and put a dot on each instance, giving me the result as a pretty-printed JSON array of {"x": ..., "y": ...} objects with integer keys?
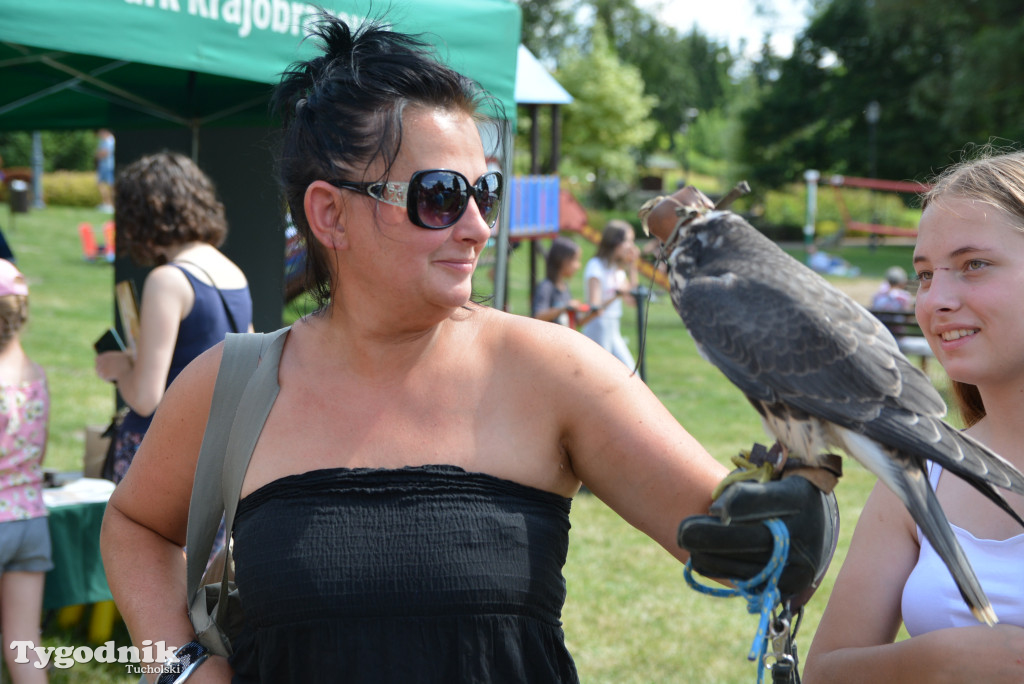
[{"x": 823, "y": 373}]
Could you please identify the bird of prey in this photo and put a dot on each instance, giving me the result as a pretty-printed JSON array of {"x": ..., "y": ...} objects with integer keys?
[{"x": 823, "y": 373}]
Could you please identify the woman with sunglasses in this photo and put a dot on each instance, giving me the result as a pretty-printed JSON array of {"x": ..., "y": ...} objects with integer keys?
[{"x": 404, "y": 517}]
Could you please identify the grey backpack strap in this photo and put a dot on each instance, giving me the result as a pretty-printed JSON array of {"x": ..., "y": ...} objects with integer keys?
[
  {"x": 244, "y": 385},
  {"x": 257, "y": 400}
]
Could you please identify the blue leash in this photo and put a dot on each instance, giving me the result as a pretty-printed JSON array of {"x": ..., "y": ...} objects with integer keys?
[{"x": 760, "y": 591}]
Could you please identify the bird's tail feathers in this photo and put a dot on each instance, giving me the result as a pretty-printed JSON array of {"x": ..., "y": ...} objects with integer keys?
[{"x": 910, "y": 484}]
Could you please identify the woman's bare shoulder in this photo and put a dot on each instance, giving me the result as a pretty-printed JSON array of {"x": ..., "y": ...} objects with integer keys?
[
  {"x": 519, "y": 336},
  {"x": 213, "y": 268},
  {"x": 164, "y": 281},
  {"x": 548, "y": 355},
  {"x": 516, "y": 324}
]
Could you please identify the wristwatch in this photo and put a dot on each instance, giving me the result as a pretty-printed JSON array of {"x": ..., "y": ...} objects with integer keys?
[{"x": 186, "y": 660}]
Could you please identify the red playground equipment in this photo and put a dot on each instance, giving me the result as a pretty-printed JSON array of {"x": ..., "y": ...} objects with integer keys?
[{"x": 839, "y": 182}]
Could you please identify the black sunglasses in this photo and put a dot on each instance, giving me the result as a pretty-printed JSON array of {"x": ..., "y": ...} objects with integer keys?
[{"x": 436, "y": 198}]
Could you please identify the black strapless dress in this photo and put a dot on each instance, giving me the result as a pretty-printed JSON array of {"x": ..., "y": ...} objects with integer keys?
[{"x": 425, "y": 574}]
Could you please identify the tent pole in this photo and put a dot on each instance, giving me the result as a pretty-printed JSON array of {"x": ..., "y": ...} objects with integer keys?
[
  {"x": 556, "y": 139},
  {"x": 70, "y": 83},
  {"x": 502, "y": 240},
  {"x": 195, "y": 142},
  {"x": 37, "y": 171}
]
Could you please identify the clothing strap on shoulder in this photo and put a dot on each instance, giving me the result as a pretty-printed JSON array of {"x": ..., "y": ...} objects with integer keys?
[{"x": 219, "y": 471}]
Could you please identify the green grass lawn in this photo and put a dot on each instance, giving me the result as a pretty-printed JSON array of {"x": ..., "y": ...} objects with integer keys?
[{"x": 629, "y": 616}]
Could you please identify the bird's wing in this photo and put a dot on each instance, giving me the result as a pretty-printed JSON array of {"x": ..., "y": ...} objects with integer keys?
[
  {"x": 782, "y": 333},
  {"x": 936, "y": 440}
]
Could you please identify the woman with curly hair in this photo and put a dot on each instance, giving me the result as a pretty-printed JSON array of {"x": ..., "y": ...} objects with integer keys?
[{"x": 168, "y": 216}]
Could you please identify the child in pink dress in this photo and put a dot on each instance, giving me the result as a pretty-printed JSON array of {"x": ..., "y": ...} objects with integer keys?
[{"x": 24, "y": 534}]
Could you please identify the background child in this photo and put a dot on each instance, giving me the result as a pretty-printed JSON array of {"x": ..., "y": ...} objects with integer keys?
[
  {"x": 552, "y": 299},
  {"x": 608, "y": 283},
  {"x": 24, "y": 534}
]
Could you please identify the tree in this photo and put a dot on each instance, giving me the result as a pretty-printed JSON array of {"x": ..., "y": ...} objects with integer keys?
[
  {"x": 549, "y": 27},
  {"x": 684, "y": 73},
  {"x": 65, "y": 150},
  {"x": 943, "y": 71},
  {"x": 610, "y": 115}
]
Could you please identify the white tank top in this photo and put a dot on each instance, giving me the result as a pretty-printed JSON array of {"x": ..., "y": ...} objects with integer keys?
[{"x": 930, "y": 598}]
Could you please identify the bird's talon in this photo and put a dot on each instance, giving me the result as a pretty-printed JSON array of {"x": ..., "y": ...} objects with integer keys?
[
  {"x": 742, "y": 460},
  {"x": 745, "y": 470}
]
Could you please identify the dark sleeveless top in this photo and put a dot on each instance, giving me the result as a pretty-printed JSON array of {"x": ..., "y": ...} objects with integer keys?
[
  {"x": 204, "y": 326},
  {"x": 421, "y": 574}
]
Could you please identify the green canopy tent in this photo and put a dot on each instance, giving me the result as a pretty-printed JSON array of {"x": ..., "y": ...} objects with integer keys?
[{"x": 195, "y": 76}]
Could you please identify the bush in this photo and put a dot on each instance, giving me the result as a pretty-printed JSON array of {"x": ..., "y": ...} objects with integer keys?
[
  {"x": 785, "y": 208},
  {"x": 71, "y": 189},
  {"x": 69, "y": 150},
  {"x": 15, "y": 149},
  {"x": 63, "y": 188},
  {"x": 777, "y": 232}
]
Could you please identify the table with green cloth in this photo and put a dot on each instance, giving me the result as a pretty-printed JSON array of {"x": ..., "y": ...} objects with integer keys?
[{"x": 75, "y": 515}]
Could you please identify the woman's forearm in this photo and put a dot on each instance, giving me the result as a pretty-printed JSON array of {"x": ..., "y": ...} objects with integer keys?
[
  {"x": 958, "y": 654},
  {"x": 146, "y": 573}
]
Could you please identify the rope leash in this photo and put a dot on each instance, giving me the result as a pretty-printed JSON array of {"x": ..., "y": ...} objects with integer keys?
[{"x": 760, "y": 591}]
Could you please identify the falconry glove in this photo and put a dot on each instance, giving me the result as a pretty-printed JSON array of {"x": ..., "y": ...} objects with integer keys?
[{"x": 733, "y": 542}]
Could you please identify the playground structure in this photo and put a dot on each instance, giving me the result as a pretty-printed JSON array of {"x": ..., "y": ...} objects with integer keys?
[
  {"x": 539, "y": 208},
  {"x": 838, "y": 182}
]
